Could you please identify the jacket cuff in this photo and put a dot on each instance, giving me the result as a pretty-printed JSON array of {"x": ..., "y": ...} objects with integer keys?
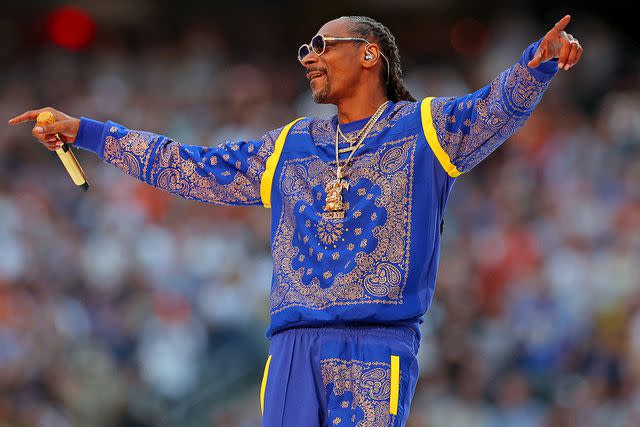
[{"x": 90, "y": 136}]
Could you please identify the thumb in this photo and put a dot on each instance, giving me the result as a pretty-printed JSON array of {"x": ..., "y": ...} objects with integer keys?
[
  {"x": 64, "y": 127},
  {"x": 537, "y": 59},
  {"x": 52, "y": 128},
  {"x": 539, "y": 55}
]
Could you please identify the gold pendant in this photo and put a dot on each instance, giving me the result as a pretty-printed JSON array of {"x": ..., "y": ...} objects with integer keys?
[{"x": 334, "y": 208}]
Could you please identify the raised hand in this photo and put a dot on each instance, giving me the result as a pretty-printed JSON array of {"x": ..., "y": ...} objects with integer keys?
[
  {"x": 558, "y": 44},
  {"x": 65, "y": 126}
]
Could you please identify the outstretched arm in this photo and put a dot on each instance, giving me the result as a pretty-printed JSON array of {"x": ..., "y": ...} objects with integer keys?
[
  {"x": 465, "y": 130},
  {"x": 229, "y": 174}
]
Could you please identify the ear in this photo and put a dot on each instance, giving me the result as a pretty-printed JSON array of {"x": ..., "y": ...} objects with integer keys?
[{"x": 370, "y": 55}]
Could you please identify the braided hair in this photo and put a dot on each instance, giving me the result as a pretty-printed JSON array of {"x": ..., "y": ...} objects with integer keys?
[{"x": 395, "y": 87}]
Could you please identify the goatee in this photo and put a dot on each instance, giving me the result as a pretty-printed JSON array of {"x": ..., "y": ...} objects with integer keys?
[{"x": 321, "y": 97}]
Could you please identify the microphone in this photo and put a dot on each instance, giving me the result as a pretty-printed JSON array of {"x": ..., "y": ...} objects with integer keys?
[{"x": 65, "y": 154}]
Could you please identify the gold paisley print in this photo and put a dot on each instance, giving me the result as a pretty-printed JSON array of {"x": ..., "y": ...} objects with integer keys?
[
  {"x": 505, "y": 107},
  {"x": 170, "y": 166},
  {"x": 377, "y": 271},
  {"x": 368, "y": 384}
]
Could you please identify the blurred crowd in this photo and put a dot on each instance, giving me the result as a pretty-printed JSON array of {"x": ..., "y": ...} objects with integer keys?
[{"x": 126, "y": 306}]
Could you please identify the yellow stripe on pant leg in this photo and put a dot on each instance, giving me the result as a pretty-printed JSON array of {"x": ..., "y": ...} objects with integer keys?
[
  {"x": 395, "y": 385},
  {"x": 263, "y": 387}
]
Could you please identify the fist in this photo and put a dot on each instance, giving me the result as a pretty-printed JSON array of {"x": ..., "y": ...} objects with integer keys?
[{"x": 53, "y": 135}]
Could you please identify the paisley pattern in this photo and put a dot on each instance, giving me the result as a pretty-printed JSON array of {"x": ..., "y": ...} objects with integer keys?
[
  {"x": 363, "y": 390},
  {"x": 323, "y": 131},
  {"x": 469, "y": 128},
  {"x": 228, "y": 174},
  {"x": 362, "y": 259},
  {"x": 472, "y": 127}
]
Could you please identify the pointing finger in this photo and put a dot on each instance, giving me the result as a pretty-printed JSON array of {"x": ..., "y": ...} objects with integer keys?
[
  {"x": 28, "y": 115},
  {"x": 561, "y": 24}
]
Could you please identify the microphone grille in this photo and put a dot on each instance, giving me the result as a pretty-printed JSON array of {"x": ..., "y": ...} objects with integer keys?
[{"x": 46, "y": 118}]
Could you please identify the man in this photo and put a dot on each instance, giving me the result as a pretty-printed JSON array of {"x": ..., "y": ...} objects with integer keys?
[{"x": 357, "y": 204}]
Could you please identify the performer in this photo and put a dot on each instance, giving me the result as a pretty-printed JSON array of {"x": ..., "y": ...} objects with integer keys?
[{"x": 357, "y": 203}]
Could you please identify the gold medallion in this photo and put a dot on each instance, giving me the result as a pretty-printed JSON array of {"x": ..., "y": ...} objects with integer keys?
[{"x": 334, "y": 207}]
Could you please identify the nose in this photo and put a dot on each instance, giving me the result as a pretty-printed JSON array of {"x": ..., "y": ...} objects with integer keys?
[{"x": 309, "y": 59}]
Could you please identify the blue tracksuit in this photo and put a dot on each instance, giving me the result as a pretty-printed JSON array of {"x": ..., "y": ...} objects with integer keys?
[{"x": 347, "y": 294}]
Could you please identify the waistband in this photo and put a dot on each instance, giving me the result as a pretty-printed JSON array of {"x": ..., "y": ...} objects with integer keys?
[{"x": 401, "y": 332}]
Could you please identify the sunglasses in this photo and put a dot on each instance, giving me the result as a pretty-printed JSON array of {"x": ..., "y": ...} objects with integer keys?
[{"x": 319, "y": 44}]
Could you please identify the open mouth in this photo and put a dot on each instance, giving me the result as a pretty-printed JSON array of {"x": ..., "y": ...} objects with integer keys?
[{"x": 314, "y": 75}]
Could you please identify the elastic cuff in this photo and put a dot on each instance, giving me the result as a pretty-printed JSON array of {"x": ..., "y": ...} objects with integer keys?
[{"x": 90, "y": 136}]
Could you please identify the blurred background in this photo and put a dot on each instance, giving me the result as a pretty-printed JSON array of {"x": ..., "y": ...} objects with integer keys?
[{"x": 126, "y": 306}]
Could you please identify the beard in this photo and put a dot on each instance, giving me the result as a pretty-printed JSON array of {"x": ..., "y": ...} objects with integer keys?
[{"x": 322, "y": 96}]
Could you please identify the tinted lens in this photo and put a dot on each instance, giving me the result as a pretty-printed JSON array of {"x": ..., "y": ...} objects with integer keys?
[
  {"x": 317, "y": 44},
  {"x": 303, "y": 51}
]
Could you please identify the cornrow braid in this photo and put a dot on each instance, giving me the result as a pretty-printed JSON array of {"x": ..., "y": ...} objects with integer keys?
[{"x": 395, "y": 88}]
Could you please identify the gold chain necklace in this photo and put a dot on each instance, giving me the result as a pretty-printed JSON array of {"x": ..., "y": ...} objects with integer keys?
[
  {"x": 351, "y": 141},
  {"x": 333, "y": 208}
]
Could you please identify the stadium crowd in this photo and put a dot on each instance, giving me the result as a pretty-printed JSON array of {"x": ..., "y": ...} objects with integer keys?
[{"x": 126, "y": 306}]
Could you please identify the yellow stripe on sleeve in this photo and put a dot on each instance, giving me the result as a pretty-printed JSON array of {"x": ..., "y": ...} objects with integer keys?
[
  {"x": 263, "y": 387},
  {"x": 395, "y": 385},
  {"x": 272, "y": 163},
  {"x": 432, "y": 139}
]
